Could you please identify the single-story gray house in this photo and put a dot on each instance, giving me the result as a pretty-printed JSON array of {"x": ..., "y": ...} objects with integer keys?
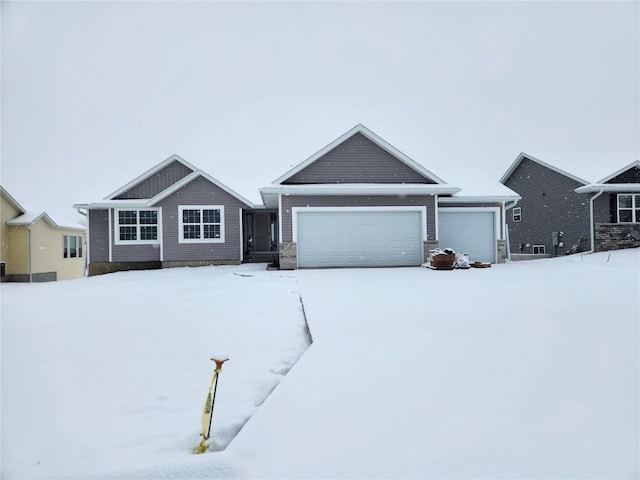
[
  {"x": 561, "y": 213},
  {"x": 357, "y": 202}
]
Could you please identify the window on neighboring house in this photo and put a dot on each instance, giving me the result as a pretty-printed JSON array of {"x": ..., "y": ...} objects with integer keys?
[
  {"x": 539, "y": 250},
  {"x": 517, "y": 214},
  {"x": 201, "y": 224},
  {"x": 71, "y": 246},
  {"x": 136, "y": 226},
  {"x": 629, "y": 208}
]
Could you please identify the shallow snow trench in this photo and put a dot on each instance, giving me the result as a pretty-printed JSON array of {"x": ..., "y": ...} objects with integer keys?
[{"x": 104, "y": 373}]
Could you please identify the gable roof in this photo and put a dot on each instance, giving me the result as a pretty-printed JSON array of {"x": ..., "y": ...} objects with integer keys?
[
  {"x": 110, "y": 202},
  {"x": 522, "y": 156},
  {"x": 635, "y": 164},
  {"x": 361, "y": 129},
  {"x": 12, "y": 200},
  {"x": 29, "y": 218},
  {"x": 149, "y": 173}
]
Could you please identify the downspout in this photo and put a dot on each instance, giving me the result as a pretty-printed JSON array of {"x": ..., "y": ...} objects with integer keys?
[
  {"x": 506, "y": 227},
  {"x": 29, "y": 240},
  {"x": 87, "y": 259},
  {"x": 436, "y": 219},
  {"x": 592, "y": 221}
]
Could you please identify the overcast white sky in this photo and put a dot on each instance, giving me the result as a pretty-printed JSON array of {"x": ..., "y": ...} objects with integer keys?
[{"x": 95, "y": 93}]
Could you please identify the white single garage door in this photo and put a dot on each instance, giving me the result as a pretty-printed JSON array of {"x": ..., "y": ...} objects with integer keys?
[
  {"x": 472, "y": 232},
  {"x": 359, "y": 238}
]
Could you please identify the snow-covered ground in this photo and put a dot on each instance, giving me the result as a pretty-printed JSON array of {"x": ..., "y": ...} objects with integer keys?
[{"x": 529, "y": 369}]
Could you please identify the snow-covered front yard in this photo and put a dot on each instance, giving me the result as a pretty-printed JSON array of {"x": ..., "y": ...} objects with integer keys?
[{"x": 529, "y": 369}]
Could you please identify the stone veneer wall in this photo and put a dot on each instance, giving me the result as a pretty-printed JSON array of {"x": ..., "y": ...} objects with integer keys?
[
  {"x": 616, "y": 236},
  {"x": 502, "y": 251},
  {"x": 288, "y": 256}
]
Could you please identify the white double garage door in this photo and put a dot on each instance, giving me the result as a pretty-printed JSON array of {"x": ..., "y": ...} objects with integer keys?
[{"x": 388, "y": 236}]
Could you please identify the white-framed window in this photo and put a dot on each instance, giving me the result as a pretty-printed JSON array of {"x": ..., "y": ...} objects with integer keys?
[
  {"x": 539, "y": 250},
  {"x": 201, "y": 224},
  {"x": 136, "y": 226},
  {"x": 629, "y": 208},
  {"x": 517, "y": 214},
  {"x": 71, "y": 246}
]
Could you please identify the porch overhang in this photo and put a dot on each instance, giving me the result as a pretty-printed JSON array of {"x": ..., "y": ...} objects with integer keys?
[{"x": 271, "y": 193}]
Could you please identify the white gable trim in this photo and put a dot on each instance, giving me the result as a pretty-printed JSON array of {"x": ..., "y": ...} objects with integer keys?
[
  {"x": 375, "y": 139},
  {"x": 149, "y": 173},
  {"x": 622, "y": 170},
  {"x": 523, "y": 155}
]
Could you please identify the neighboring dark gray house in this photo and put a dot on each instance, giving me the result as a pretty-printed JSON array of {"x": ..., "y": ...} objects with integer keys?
[
  {"x": 560, "y": 213},
  {"x": 358, "y": 202},
  {"x": 614, "y": 203}
]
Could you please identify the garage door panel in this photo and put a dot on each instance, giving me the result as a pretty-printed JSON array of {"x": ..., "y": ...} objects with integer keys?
[
  {"x": 359, "y": 238},
  {"x": 468, "y": 232}
]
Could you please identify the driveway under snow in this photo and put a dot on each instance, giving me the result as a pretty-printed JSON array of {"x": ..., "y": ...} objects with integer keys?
[{"x": 528, "y": 369}]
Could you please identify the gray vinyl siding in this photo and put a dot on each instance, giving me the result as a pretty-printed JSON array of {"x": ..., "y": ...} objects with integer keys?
[
  {"x": 99, "y": 236},
  {"x": 549, "y": 204},
  {"x": 357, "y": 160},
  {"x": 157, "y": 183},
  {"x": 201, "y": 192},
  {"x": 290, "y": 201},
  {"x": 135, "y": 253}
]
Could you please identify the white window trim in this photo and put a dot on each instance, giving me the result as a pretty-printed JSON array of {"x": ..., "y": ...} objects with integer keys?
[
  {"x": 543, "y": 247},
  {"x": 519, "y": 213},
  {"x": 634, "y": 207},
  {"x": 181, "y": 208},
  {"x": 116, "y": 232}
]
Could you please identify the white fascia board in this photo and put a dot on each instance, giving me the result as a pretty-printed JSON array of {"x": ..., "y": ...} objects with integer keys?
[
  {"x": 152, "y": 171},
  {"x": 523, "y": 155},
  {"x": 191, "y": 177},
  {"x": 609, "y": 187},
  {"x": 478, "y": 199},
  {"x": 29, "y": 218},
  {"x": 360, "y": 189},
  {"x": 136, "y": 203},
  {"x": 622, "y": 170},
  {"x": 375, "y": 139}
]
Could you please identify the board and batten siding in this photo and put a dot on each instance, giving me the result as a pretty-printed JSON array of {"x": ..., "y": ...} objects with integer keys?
[
  {"x": 201, "y": 192},
  {"x": 549, "y": 204},
  {"x": 357, "y": 160},
  {"x": 157, "y": 183},
  {"x": 290, "y": 201}
]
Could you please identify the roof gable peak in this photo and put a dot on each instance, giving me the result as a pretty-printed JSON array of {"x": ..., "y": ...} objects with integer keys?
[
  {"x": 635, "y": 164},
  {"x": 152, "y": 171},
  {"x": 381, "y": 143},
  {"x": 522, "y": 156}
]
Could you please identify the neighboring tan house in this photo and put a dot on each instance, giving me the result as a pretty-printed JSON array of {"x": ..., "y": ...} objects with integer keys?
[
  {"x": 561, "y": 214},
  {"x": 37, "y": 249},
  {"x": 357, "y": 202}
]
